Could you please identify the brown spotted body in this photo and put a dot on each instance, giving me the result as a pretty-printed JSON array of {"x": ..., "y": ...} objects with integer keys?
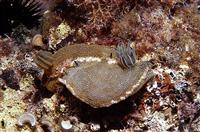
[{"x": 99, "y": 80}]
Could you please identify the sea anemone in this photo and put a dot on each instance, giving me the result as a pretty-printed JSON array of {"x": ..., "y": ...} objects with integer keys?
[{"x": 16, "y": 12}]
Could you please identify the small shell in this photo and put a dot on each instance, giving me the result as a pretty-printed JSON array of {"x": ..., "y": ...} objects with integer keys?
[
  {"x": 66, "y": 125},
  {"x": 37, "y": 41},
  {"x": 49, "y": 126},
  {"x": 26, "y": 118}
]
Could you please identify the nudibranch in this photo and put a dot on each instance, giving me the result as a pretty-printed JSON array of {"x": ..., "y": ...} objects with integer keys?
[{"x": 99, "y": 75}]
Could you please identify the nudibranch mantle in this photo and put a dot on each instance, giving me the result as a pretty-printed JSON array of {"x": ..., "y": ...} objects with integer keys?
[{"x": 98, "y": 79}]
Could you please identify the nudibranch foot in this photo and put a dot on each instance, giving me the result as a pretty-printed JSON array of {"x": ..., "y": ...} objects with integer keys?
[{"x": 103, "y": 84}]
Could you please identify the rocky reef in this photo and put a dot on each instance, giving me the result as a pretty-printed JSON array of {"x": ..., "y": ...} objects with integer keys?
[{"x": 55, "y": 57}]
